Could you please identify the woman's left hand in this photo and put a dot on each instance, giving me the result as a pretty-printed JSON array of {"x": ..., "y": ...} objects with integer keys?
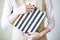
[{"x": 35, "y": 35}]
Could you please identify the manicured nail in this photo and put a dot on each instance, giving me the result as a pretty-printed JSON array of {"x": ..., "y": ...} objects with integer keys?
[{"x": 33, "y": 5}]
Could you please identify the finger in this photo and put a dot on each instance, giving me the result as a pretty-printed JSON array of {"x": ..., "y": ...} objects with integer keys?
[
  {"x": 26, "y": 35},
  {"x": 30, "y": 6},
  {"x": 29, "y": 9},
  {"x": 32, "y": 33},
  {"x": 32, "y": 37}
]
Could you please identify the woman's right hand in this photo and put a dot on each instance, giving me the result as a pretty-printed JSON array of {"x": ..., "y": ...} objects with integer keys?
[
  {"x": 25, "y": 9},
  {"x": 30, "y": 8}
]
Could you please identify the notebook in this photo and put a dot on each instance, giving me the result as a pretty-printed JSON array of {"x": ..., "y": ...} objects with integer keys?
[{"x": 29, "y": 22}]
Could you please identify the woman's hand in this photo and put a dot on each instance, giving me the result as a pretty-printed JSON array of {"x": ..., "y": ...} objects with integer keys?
[
  {"x": 35, "y": 35},
  {"x": 25, "y": 9},
  {"x": 30, "y": 8}
]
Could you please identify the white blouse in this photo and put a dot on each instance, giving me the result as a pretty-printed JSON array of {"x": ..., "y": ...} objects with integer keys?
[{"x": 10, "y": 5}]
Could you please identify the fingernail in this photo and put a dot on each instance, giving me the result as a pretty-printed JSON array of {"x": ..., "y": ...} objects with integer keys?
[
  {"x": 33, "y": 5},
  {"x": 29, "y": 34}
]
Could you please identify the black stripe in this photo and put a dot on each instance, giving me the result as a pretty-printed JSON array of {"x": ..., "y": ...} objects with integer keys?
[
  {"x": 23, "y": 21},
  {"x": 29, "y": 19},
  {"x": 19, "y": 20},
  {"x": 37, "y": 22},
  {"x": 32, "y": 21}
]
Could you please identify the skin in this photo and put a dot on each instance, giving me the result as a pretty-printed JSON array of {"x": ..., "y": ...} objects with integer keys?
[{"x": 30, "y": 8}]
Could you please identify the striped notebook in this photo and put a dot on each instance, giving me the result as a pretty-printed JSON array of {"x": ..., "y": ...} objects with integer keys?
[{"x": 29, "y": 22}]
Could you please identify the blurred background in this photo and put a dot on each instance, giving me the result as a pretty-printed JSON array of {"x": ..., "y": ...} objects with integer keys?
[{"x": 53, "y": 35}]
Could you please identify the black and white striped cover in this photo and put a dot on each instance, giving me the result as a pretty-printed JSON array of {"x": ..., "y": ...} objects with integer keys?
[{"x": 29, "y": 22}]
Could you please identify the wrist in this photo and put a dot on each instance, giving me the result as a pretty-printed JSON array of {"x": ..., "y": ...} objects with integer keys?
[
  {"x": 13, "y": 17},
  {"x": 44, "y": 32}
]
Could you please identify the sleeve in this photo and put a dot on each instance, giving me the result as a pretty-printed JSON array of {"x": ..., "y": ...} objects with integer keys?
[
  {"x": 6, "y": 13},
  {"x": 50, "y": 15}
]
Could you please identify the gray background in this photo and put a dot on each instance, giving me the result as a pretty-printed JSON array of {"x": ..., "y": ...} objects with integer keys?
[{"x": 53, "y": 35}]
